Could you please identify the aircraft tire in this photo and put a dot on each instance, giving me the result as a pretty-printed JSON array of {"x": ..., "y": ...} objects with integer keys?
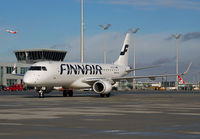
[
  {"x": 41, "y": 94},
  {"x": 70, "y": 93},
  {"x": 108, "y": 95},
  {"x": 102, "y": 95},
  {"x": 65, "y": 93}
]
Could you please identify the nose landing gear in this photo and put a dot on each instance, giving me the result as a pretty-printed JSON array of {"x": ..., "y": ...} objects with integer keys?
[
  {"x": 41, "y": 94},
  {"x": 43, "y": 90}
]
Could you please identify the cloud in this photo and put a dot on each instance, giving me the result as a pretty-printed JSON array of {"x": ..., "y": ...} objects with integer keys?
[
  {"x": 162, "y": 61},
  {"x": 187, "y": 37},
  {"x": 191, "y": 36},
  {"x": 151, "y": 49},
  {"x": 93, "y": 47},
  {"x": 179, "y": 4}
]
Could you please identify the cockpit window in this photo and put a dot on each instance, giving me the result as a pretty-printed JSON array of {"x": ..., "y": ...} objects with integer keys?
[
  {"x": 35, "y": 68},
  {"x": 44, "y": 68},
  {"x": 38, "y": 68}
]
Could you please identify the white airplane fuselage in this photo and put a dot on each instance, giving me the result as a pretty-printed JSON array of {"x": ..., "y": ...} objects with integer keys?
[{"x": 70, "y": 75}]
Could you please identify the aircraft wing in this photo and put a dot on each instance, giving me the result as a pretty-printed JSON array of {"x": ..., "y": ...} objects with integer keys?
[
  {"x": 129, "y": 78},
  {"x": 143, "y": 68},
  {"x": 152, "y": 77},
  {"x": 90, "y": 81}
]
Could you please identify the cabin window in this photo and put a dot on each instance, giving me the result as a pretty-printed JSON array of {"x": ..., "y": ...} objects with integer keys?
[{"x": 44, "y": 68}]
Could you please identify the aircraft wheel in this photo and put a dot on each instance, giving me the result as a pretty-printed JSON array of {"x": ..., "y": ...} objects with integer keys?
[
  {"x": 108, "y": 95},
  {"x": 70, "y": 93},
  {"x": 41, "y": 94},
  {"x": 102, "y": 95},
  {"x": 65, "y": 93}
]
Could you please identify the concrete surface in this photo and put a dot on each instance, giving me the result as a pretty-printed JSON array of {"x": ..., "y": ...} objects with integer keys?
[{"x": 140, "y": 115}]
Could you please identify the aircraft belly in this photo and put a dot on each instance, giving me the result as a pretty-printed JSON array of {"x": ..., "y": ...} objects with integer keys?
[
  {"x": 72, "y": 82},
  {"x": 79, "y": 85}
]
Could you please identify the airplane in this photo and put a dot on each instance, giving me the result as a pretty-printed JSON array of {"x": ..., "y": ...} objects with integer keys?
[
  {"x": 46, "y": 75},
  {"x": 11, "y": 31}
]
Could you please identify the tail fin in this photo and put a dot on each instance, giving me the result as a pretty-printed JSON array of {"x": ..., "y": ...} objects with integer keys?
[
  {"x": 123, "y": 58},
  {"x": 14, "y": 69},
  {"x": 181, "y": 81}
]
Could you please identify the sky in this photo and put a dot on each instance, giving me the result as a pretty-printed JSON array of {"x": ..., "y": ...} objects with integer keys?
[{"x": 56, "y": 24}]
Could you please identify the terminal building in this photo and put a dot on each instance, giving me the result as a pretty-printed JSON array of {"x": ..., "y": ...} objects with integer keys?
[{"x": 25, "y": 58}]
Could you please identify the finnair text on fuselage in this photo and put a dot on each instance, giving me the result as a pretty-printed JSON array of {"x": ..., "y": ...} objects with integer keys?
[{"x": 76, "y": 69}]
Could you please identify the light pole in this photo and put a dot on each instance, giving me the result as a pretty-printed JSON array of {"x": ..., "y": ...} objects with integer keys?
[
  {"x": 177, "y": 36},
  {"x": 199, "y": 81},
  {"x": 82, "y": 33},
  {"x": 134, "y": 32},
  {"x": 105, "y": 27}
]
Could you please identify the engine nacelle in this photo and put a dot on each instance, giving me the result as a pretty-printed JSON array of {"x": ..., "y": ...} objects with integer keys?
[{"x": 102, "y": 87}]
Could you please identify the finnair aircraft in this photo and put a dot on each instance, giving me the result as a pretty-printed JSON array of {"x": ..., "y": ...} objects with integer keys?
[
  {"x": 11, "y": 31},
  {"x": 44, "y": 76}
]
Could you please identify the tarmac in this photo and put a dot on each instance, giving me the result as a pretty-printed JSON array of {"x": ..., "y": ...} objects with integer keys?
[{"x": 124, "y": 115}]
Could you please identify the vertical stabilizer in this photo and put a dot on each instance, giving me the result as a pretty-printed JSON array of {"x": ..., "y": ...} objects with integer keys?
[
  {"x": 181, "y": 81},
  {"x": 123, "y": 58},
  {"x": 14, "y": 69}
]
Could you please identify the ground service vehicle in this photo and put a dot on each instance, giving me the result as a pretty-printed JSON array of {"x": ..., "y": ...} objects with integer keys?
[{"x": 15, "y": 87}]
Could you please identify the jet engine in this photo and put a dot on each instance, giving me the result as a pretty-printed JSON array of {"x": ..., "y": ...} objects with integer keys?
[{"x": 102, "y": 87}]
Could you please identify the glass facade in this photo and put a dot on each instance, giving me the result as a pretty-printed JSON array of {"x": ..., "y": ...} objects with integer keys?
[
  {"x": 9, "y": 70},
  {"x": 23, "y": 70},
  {"x": 32, "y": 56},
  {"x": 11, "y": 82},
  {"x": 2, "y": 73}
]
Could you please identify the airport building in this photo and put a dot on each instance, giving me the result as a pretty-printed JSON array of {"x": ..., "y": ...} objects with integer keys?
[
  {"x": 36, "y": 55},
  {"x": 7, "y": 78},
  {"x": 25, "y": 58}
]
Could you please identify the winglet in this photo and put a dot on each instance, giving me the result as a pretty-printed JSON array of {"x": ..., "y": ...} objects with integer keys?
[{"x": 187, "y": 69}]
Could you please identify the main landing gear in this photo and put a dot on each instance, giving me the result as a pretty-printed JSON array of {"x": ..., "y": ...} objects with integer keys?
[
  {"x": 103, "y": 95},
  {"x": 67, "y": 93}
]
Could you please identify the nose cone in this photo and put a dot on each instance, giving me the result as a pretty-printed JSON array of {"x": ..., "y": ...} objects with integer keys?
[{"x": 29, "y": 79}]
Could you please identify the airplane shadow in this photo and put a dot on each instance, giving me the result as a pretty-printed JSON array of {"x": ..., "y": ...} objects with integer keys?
[{"x": 76, "y": 95}]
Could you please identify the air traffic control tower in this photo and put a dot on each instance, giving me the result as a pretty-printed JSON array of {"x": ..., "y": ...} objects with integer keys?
[{"x": 35, "y": 55}]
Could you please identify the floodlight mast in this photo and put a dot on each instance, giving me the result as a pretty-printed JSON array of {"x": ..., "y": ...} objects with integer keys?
[
  {"x": 177, "y": 36},
  {"x": 134, "y": 32},
  {"x": 82, "y": 33},
  {"x": 105, "y": 27}
]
